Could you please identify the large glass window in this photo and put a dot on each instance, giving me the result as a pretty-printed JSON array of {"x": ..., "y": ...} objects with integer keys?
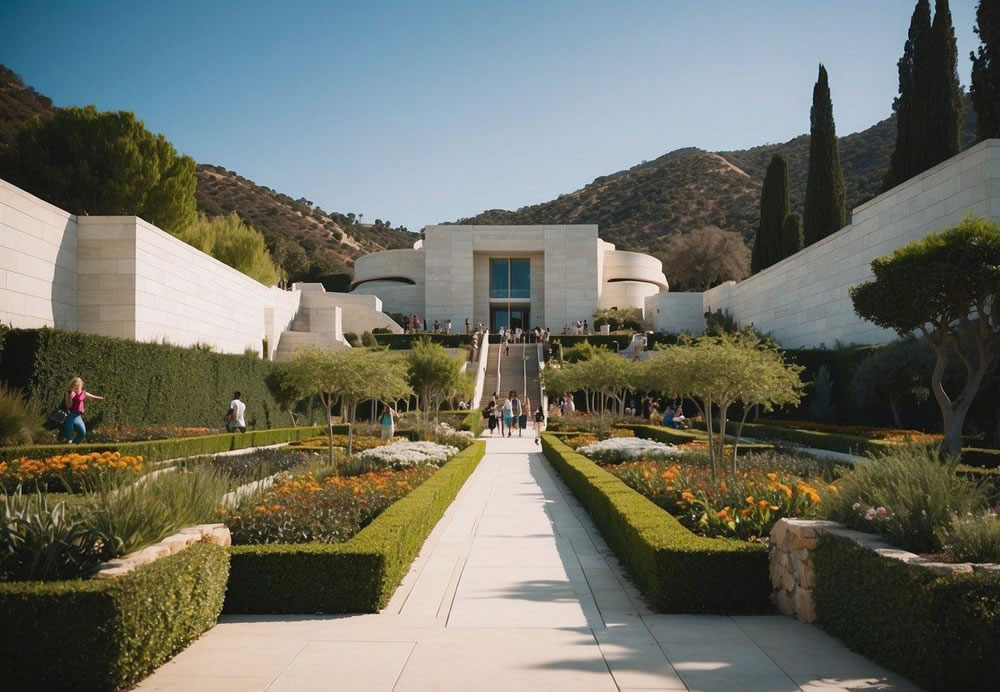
[
  {"x": 499, "y": 277},
  {"x": 510, "y": 277}
]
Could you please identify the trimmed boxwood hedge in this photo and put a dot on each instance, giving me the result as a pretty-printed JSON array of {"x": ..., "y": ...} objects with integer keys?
[
  {"x": 403, "y": 342},
  {"x": 158, "y": 450},
  {"x": 981, "y": 458},
  {"x": 357, "y": 576},
  {"x": 677, "y": 571},
  {"x": 144, "y": 383},
  {"x": 848, "y": 444},
  {"x": 98, "y": 634},
  {"x": 941, "y": 632},
  {"x": 673, "y": 436}
]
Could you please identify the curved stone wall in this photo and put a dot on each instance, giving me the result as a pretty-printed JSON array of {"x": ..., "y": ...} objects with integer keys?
[
  {"x": 628, "y": 278},
  {"x": 387, "y": 275}
]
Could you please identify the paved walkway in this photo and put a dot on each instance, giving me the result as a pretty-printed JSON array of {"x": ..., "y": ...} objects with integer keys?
[{"x": 515, "y": 590}]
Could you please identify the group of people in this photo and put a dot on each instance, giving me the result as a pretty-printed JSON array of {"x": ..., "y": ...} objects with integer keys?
[
  {"x": 412, "y": 324},
  {"x": 512, "y": 415},
  {"x": 579, "y": 328}
]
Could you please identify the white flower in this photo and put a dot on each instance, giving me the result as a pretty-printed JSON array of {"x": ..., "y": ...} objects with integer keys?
[
  {"x": 618, "y": 449},
  {"x": 405, "y": 454}
]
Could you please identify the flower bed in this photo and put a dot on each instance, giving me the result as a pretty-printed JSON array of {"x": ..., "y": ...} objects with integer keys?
[
  {"x": 618, "y": 449},
  {"x": 871, "y": 433},
  {"x": 66, "y": 471},
  {"x": 356, "y": 576},
  {"x": 405, "y": 454},
  {"x": 144, "y": 433},
  {"x": 359, "y": 443},
  {"x": 330, "y": 510}
]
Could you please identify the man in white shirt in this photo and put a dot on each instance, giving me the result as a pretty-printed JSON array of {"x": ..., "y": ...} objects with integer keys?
[{"x": 234, "y": 417}]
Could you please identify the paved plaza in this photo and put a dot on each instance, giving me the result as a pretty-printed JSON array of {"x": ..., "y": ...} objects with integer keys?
[{"x": 516, "y": 590}]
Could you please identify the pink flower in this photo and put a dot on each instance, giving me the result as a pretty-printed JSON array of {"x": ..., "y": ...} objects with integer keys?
[
  {"x": 856, "y": 506},
  {"x": 881, "y": 511},
  {"x": 870, "y": 514}
]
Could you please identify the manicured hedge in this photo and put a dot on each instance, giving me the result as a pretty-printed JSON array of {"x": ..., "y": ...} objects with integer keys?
[
  {"x": 108, "y": 634},
  {"x": 474, "y": 422},
  {"x": 673, "y": 436},
  {"x": 848, "y": 444},
  {"x": 357, "y": 576},
  {"x": 144, "y": 383},
  {"x": 158, "y": 450},
  {"x": 941, "y": 632},
  {"x": 981, "y": 458},
  {"x": 677, "y": 571},
  {"x": 402, "y": 342}
]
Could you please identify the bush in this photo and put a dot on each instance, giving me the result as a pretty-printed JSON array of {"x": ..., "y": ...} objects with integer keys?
[
  {"x": 109, "y": 634},
  {"x": 981, "y": 458},
  {"x": 368, "y": 340},
  {"x": 973, "y": 539},
  {"x": 848, "y": 444},
  {"x": 615, "y": 450},
  {"x": 20, "y": 421},
  {"x": 159, "y": 450},
  {"x": 358, "y": 576},
  {"x": 404, "y": 342},
  {"x": 677, "y": 571},
  {"x": 352, "y": 339},
  {"x": 405, "y": 454},
  {"x": 145, "y": 383},
  {"x": 908, "y": 495},
  {"x": 943, "y": 633}
]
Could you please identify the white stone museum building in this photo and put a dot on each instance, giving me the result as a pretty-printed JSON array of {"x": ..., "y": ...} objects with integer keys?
[{"x": 123, "y": 277}]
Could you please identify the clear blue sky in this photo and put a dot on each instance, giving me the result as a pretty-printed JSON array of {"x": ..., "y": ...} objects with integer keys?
[{"x": 420, "y": 112}]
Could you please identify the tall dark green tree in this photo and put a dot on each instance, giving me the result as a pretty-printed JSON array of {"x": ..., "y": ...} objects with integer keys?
[
  {"x": 774, "y": 207},
  {"x": 943, "y": 138},
  {"x": 985, "y": 89},
  {"x": 90, "y": 162},
  {"x": 825, "y": 207},
  {"x": 912, "y": 66},
  {"x": 791, "y": 235}
]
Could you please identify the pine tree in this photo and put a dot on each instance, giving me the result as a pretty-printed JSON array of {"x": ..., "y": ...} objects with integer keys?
[
  {"x": 943, "y": 138},
  {"x": 791, "y": 235},
  {"x": 825, "y": 206},
  {"x": 985, "y": 89},
  {"x": 774, "y": 206},
  {"x": 904, "y": 162}
]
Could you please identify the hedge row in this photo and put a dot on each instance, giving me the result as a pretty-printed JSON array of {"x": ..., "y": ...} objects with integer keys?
[
  {"x": 108, "y": 634},
  {"x": 677, "y": 571},
  {"x": 175, "y": 448},
  {"x": 402, "y": 342},
  {"x": 144, "y": 383},
  {"x": 357, "y": 576},
  {"x": 678, "y": 437},
  {"x": 836, "y": 442},
  {"x": 941, "y": 632},
  {"x": 981, "y": 458},
  {"x": 618, "y": 342}
]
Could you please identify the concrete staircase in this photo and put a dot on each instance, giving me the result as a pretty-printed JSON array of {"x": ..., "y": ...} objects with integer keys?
[{"x": 522, "y": 361}]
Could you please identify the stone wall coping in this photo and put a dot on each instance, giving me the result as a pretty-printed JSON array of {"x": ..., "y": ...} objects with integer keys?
[{"x": 207, "y": 533}]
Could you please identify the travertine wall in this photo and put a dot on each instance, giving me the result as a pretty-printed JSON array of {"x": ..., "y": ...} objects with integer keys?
[
  {"x": 676, "y": 312},
  {"x": 123, "y": 277},
  {"x": 38, "y": 257},
  {"x": 378, "y": 274},
  {"x": 804, "y": 300}
]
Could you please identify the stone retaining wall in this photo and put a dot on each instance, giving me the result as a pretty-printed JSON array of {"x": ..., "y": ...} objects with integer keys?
[
  {"x": 209, "y": 533},
  {"x": 793, "y": 575}
]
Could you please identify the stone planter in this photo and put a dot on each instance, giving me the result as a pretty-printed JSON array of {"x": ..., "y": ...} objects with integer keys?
[
  {"x": 793, "y": 575},
  {"x": 208, "y": 533}
]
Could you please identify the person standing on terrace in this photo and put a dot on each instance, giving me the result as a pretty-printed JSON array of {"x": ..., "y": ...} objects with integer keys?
[{"x": 74, "y": 429}]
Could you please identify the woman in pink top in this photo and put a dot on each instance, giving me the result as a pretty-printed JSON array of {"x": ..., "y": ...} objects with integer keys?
[{"x": 74, "y": 429}]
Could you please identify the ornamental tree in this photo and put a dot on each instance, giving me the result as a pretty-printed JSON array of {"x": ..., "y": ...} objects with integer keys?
[
  {"x": 89, "y": 162},
  {"x": 894, "y": 375},
  {"x": 947, "y": 287},
  {"x": 433, "y": 375}
]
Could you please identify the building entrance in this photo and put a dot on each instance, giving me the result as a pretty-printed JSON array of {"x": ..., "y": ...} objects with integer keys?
[{"x": 511, "y": 318}]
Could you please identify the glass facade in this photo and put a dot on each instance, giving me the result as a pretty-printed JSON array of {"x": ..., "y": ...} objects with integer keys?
[
  {"x": 512, "y": 319},
  {"x": 510, "y": 277}
]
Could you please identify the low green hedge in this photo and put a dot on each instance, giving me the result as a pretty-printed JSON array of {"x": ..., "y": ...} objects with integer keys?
[
  {"x": 677, "y": 571},
  {"x": 848, "y": 444},
  {"x": 403, "y": 342},
  {"x": 941, "y": 632},
  {"x": 474, "y": 422},
  {"x": 158, "y": 450},
  {"x": 981, "y": 458},
  {"x": 357, "y": 576},
  {"x": 108, "y": 634},
  {"x": 674, "y": 436}
]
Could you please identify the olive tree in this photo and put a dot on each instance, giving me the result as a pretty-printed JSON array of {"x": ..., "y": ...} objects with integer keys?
[
  {"x": 947, "y": 287},
  {"x": 434, "y": 375},
  {"x": 893, "y": 375},
  {"x": 606, "y": 374}
]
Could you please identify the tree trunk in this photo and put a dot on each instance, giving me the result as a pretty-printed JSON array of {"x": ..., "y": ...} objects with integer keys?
[
  {"x": 711, "y": 443},
  {"x": 953, "y": 412},
  {"x": 350, "y": 429},
  {"x": 722, "y": 436},
  {"x": 894, "y": 407},
  {"x": 739, "y": 433},
  {"x": 329, "y": 433}
]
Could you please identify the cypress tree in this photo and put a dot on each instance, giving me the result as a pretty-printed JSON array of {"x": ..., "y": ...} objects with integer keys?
[
  {"x": 774, "y": 206},
  {"x": 908, "y": 105},
  {"x": 825, "y": 207},
  {"x": 791, "y": 235},
  {"x": 985, "y": 89},
  {"x": 943, "y": 137}
]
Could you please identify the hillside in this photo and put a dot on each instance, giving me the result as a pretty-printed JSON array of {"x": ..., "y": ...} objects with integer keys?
[
  {"x": 643, "y": 207},
  {"x": 329, "y": 241}
]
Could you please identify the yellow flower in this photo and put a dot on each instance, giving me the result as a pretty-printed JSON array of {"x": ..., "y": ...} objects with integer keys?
[
  {"x": 750, "y": 499},
  {"x": 687, "y": 495}
]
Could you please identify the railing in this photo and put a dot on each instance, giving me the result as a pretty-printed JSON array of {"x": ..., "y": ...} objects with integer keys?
[
  {"x": 543, "y": 397},
  {"x": 484, "y": 357}
]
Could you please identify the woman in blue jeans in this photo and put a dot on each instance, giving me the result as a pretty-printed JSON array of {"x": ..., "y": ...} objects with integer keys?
[{"x": 74, "y": 429}]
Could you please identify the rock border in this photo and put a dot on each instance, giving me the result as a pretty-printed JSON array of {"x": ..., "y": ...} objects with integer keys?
[
  {"x": 207, "y": 533},
  {"x": 793, "y": 574}
]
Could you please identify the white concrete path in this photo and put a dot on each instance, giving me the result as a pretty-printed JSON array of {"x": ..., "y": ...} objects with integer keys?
[{"x": 515, "y": 590}]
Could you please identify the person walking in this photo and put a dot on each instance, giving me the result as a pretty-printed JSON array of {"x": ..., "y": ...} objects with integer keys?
[
  {"x": 468, "y": 326},
  {"x": 539, "y": 422},
  {"x": 388, "y": 422},
  {"x": 508, "y": 415},
  {"x": 516, "y": 410},
  {"x": 74, "y": 429},
  {"x": 235, "y": 416},
  {"x": 522, "y": 419},
  {"x": 437, "y": 326},
  {"x": 447, "y": 326},
  {"x": 491, "y": 414}
]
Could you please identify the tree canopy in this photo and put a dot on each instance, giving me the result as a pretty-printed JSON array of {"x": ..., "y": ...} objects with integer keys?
[
  {"x": 825, "y": 210},
  {"x": 434, "y": 375},
  {"x": 103, "y": 163},
  {"x": 229, "y": 240},
  {"x": 946, "y": 286},
  {"x": 704, "y": 258},
  {"x": 894, "y": 375},
  {"x": 985, "y": 87},
  {"x": 774, "y": 207}
]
